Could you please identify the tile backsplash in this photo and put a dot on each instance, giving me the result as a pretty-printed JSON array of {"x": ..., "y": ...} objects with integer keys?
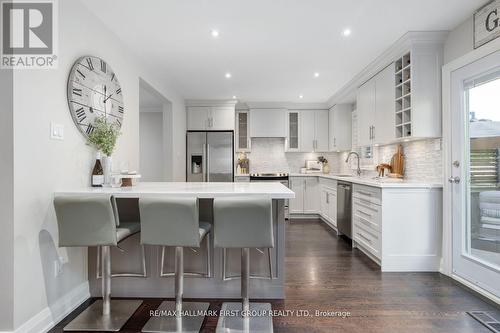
[
  {"x": 268, "y": 155},
  {"x": 423, "y": 159}
]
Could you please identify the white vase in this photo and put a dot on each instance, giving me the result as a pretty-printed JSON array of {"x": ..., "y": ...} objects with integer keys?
[{"x": 107, "y": 166}]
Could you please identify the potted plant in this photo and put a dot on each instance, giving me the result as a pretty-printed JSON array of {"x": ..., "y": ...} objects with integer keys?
[
  {"x": 324, "y": 162},
  {"x": 103, "y": 138}
]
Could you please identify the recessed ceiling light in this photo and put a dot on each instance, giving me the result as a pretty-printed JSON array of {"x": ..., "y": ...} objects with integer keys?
[
  {"x": 346, "y": 32},
  {"x": 234, "y": 97},
  {"x": 301, "y": 96},
  {"x": 214, "y": 33},
  {"x": 228, "y": 75},
  {"x": 316, "y": 74}
]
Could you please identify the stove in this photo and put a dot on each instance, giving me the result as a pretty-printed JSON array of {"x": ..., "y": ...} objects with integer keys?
[
  {"x": 269, "y": 176},
  {"x": 281, "y": 177}
]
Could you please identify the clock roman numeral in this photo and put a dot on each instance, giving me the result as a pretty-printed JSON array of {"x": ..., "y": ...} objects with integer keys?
[
  {"x": 90, "y": 64},
  {"x": 89, "y": 129},
  {"x": 118, "y": 91},
  {"x": 80, "y": 114},
  {"x": 120, "y": 108},
  {"x": 103, "y": 66},
  {"x": 77, "y": 91},
  {"x": 118, "y": 122},
  {"x": 112, "y": 77},
  {"x": 80, "y": 73}
]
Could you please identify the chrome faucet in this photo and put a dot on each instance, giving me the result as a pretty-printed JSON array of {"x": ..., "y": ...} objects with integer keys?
[{"x": 358, "y": 171}]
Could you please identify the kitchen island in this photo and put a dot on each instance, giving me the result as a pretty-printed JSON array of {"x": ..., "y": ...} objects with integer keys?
[{"x": 128, "y": 257}]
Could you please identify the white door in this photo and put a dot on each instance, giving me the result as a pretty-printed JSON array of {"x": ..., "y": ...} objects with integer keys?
[
  {"x": 222, "y": 118},
  {"x": 307, "y": 131},
  {"x": 475, "y": 106},
  {"x": 311, "y": 195},
  {"x": 385, "y": 107},
  {"x": 197, "y": 118},
  {"x": 366, "y": 112},
  {"x": 296, "y": 205},
  {"x": 321, "y": 130}
]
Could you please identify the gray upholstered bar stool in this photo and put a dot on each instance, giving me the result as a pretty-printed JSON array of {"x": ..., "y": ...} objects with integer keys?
[
  {"x": 244, "y": 223},
  {"x": 85, "y": 221},
  {"x": 174, "y": 221}
]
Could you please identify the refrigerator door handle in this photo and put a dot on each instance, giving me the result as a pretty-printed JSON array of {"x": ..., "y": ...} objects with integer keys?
[
  {"x": 208, "y": 162},
  {"x": 204, "y": 162}
]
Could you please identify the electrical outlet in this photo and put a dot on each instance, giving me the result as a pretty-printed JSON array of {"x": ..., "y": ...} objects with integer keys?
[{"x": 56, "y": 131}]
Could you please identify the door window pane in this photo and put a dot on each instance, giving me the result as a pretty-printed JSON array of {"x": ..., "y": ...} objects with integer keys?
[{"x": 482, "y": 234}]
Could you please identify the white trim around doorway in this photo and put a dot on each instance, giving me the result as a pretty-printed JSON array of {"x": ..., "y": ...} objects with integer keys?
[{"x": 447, "y": 255}]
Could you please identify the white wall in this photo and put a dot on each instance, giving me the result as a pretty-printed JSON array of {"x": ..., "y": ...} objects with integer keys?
[
  {"x": 43, "y": 166},
  {"x": 151, "y": 146},
  {"x": 460, "y": 41},
  {"x": 6, "y": 201}
]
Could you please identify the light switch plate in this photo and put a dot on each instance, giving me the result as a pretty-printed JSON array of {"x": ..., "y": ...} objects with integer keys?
[{"x": 56, "y": 131}]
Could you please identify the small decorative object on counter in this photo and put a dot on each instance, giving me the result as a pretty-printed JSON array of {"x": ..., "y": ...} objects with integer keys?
[
  {"x": 243, "y": 166},
  {"x": 103, "y": 138},
  {"x": 125, "y": 179},
  {"x": 324, "y": 162},
  {"x": 97, "y": 172},
  {"x": 398, "y": 164},
  {"x": 381, "y": 169}
]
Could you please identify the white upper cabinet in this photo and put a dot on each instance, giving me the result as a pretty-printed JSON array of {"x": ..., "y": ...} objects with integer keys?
[
  {"x": 376, "y": 109},
  {"x": 242, "y": 131},
  {"x": 403, "y": 101},
  {"x": 307, "y": 130},
  {"x": 197, "y": 118},
  {"x": 340, "y": 128},
  {"x": 383, "y": 130},
  {"x": 321, "y": 130},
  {"x": 268, "y": 123},
  {"x": 307, "y": 135},
  {"x": 210, "y": 118},
  {"x": 365, "y": 99},
  {"x": 221, "y": 118}
]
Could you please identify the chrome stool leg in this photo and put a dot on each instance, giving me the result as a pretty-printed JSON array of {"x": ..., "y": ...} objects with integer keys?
[
  {"x": 105, "y": 315},
  {"x": 251, "y": 318},
  {"x": 188, "y": 316}
]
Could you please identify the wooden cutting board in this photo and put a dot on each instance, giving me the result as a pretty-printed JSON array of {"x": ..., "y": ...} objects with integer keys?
[{"x": 398, "y": 162}]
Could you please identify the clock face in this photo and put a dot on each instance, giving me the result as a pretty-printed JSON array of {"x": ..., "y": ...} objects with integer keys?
[{"x": 94, "y": 91}]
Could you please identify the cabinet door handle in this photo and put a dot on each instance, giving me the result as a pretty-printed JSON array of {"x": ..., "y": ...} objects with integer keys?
[
  {"x": 334, "y": 142},
  {"x": 373, "y": 133},
  {"x": 327, "y": 198},
  {"x": 370, "y": 132}
]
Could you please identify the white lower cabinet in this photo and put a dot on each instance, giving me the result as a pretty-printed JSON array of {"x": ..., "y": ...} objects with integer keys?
[
  {"x": 399, "y": 228},
  {"x": 306, "y": 195},
  {"x": 328, "y": 201},
  {"x": 367, "y": 218}
]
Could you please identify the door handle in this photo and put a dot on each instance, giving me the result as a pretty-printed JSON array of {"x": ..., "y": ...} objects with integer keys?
[
  {"x": 204, "y": 163},
  {"x": 455, "y": 180},
  {"x": 208, "y": 162}
]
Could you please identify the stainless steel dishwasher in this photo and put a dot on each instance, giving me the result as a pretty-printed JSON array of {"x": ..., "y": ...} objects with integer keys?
[{"x": 344, "y": 204}]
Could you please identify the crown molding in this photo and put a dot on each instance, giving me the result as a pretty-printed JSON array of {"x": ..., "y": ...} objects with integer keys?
[{"x": 211, "y": 102}]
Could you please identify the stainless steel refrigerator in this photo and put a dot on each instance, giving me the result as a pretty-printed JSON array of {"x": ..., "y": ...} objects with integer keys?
[{"x": 210, "y": 156}]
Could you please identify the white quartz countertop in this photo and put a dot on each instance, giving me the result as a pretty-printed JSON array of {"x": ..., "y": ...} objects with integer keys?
[
  {"x": 382, "y": 183},
  {"x": 201, "y": 190}
]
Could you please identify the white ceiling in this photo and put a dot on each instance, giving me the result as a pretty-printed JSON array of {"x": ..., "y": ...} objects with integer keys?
[{"x": 271, "y": 47}]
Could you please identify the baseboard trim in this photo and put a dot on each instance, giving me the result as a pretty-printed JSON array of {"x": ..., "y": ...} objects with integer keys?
[{"x": 50, "y": 316}]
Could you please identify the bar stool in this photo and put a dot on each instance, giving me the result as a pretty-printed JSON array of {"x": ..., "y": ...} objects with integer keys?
[
  {"x": 173, "y": 221},
  {"x": 244, "y": 223},
  {"x": 91, "y": 221}
]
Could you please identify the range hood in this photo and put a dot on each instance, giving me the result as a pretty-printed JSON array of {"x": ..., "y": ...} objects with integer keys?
[{"x": 268, "y": 123}]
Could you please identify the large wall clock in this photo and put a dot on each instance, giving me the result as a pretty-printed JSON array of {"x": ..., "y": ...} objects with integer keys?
[{"x": 94, "y": 91}]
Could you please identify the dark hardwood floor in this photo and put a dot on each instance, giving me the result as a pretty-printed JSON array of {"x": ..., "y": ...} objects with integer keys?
[{"x": 324, "y": 273}]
